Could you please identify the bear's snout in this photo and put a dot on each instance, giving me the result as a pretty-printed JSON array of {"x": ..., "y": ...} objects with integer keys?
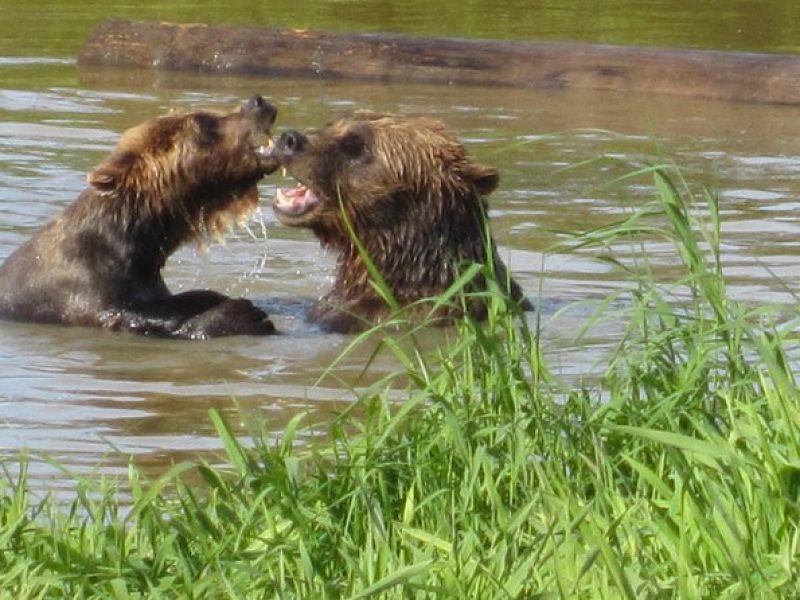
[
  {"x": 261, "y": 110},
  {"x": 290, "y": 143}
]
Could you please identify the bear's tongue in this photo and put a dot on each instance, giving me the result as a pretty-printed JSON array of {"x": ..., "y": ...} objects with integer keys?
[{"x": 295, "y": 201}]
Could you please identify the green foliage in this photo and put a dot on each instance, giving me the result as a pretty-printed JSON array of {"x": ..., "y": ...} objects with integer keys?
[
  {"x": 676, "y": 475},
  {"x": 60, "y": 27}
]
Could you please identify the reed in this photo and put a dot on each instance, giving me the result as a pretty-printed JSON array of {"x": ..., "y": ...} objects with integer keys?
[{"x": 676, "y": 474}]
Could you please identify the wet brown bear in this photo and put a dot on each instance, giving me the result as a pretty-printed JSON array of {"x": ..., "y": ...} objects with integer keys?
[
  {"x": 415, "y": 199},
  {"x": 169, "y": 180}
]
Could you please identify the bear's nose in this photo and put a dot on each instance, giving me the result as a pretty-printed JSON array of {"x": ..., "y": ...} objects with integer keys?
[
  {"x": 262, "y": 108},
  {"x": 291, "y": 142}
]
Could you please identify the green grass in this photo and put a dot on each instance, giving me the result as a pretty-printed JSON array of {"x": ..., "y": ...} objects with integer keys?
[{"x": 676, "y": 474}]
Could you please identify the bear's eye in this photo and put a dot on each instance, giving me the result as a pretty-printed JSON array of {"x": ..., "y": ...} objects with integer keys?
[{"x": 352, "y": 145}]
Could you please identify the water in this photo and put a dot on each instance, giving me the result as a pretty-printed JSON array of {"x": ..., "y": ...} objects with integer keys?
[{"x": 91, "y": 399}]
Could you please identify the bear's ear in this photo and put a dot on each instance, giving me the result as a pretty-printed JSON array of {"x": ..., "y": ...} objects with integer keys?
[
  {"x": 484, "y": 178},
  {"x": 110, "y": 175},
  {"x": 102, "y": 179}
]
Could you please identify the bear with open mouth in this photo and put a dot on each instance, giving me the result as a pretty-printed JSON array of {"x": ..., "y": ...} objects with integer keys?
[
  {"x": 172, "y": 179},
  {"x": 413, "y": 197}
]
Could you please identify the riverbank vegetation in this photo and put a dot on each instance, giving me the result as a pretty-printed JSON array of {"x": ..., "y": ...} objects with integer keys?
[{"x": 675, "y": 474}]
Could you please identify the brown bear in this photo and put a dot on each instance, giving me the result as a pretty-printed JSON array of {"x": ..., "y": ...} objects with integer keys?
[
  {"x": 172, "y": 179},
  {"x": 413, "y": 197}
]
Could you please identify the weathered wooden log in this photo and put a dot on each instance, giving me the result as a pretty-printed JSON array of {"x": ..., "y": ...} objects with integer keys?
[{"x": 750, "y": 77}]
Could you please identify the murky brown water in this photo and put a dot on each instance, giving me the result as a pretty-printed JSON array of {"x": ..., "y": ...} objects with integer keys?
[{"x": 89, "y": 398}]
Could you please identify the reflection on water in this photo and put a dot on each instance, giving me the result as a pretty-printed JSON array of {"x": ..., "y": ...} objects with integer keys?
[{"x": 86, "y": 397}]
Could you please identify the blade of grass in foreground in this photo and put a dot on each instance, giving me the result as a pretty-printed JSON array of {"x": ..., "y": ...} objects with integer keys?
[{"x": 676, "y": 473}]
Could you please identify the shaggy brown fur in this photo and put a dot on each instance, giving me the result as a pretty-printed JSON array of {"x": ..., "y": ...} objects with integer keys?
[
  {"x": 415, "y": 199},
  {"x": 172, "y": 179}
]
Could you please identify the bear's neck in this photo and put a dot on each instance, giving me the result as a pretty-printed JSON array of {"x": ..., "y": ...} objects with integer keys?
[
  {"x": 146, "y": 230},
  {"x": 158, "y": 224},
  {"x": 418, "y": 256}
]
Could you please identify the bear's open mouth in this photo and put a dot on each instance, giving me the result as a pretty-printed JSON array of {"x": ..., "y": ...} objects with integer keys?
[
  {"x": 266, "y": 154},
  {"x": 265, "y": 150},
  {"x": 295, "y": 202}
]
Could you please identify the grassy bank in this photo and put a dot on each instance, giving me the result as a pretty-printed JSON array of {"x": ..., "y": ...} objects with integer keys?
[{"x": 676, "y": 475}]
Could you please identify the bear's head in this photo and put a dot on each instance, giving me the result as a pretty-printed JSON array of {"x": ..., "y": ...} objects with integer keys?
[
  {"x": 193, "y": 173},
  {"x": 386, "y": 172}
]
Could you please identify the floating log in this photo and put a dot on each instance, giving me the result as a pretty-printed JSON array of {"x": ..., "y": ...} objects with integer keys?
[{"x": 737, "y": 76}]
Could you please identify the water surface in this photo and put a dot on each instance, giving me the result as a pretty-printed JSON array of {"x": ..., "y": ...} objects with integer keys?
[{"x": 91, "y": 399}]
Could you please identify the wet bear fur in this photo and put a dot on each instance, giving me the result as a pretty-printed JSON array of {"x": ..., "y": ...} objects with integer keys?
[{"x": 173, "y": 179}]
